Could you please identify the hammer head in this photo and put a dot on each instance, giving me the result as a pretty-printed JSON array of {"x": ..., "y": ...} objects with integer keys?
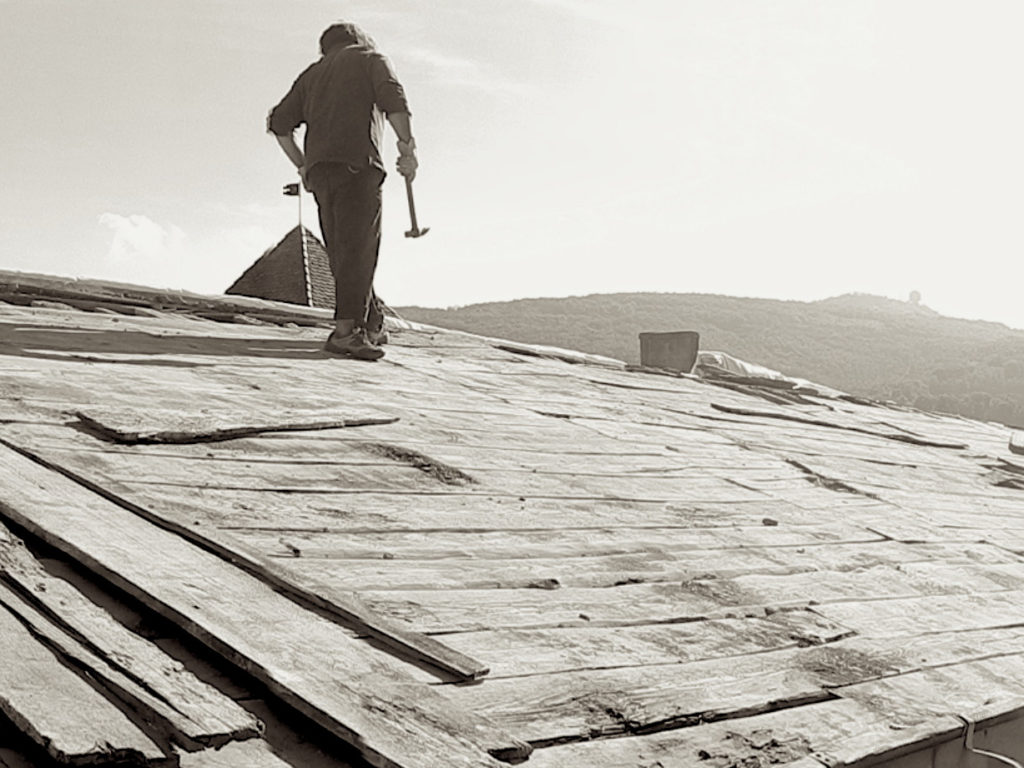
[{"x": 417, "y": 232}]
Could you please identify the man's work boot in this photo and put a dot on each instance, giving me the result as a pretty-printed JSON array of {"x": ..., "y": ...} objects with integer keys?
[
  {"x": 378, "y": 337},
  {"x": 353, "y": 344}
]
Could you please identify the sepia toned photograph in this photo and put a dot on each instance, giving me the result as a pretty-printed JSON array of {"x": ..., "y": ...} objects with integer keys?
[{"x": 487, "y": 383}]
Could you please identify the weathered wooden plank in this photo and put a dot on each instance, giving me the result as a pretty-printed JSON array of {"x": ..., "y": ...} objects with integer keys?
[
  {"x": 361, "y": 694},
  {"x": 526, "y": 652},
  {"x": 875, "y": 583},
  {"x": 250, "y": 754},
  {"x": 467, "y": 610},
  {"x": 165, "y": 719},
  {"x": 486, "y": 482},
  {"x": 304, "y": 586},
  {"x": 929, "y": 614},
  {"x": 152, "y": 682},
  {"x": 152, "y": 425},
  {"x": 59, "y": 710},
  {"x": 270, "y": 455},
  {"x": 571, "y": 705},
  {"x": 465, "y": 512},
  {"x": 733, "y": 577},
  {"x": 790, "y": 738},
  {"x": 500, "y": 545},
  {"x": 840, "y": 423},
  {"x": 979, "y": 690}
]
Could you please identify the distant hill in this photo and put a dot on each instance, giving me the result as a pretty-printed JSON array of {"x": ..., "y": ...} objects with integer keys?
[{"x": 865, "y": 345}]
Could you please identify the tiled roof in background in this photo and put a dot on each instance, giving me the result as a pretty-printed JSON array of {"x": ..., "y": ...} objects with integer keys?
[
  {"x": 318, "y": 273},
  {"x": 290, "y": 272}
]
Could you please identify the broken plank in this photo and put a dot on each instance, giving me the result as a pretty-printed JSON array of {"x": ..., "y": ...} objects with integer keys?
[
  {"x": 60, "y": 711},
  {"x": 161, "y": 717},
  {"x": 559, "y": 707},
  {"x": 303, "y": 587},
  {"x": 148, "y": 679},
  {"x": 246, "y": 754},
  {"x": 780, "y": 738},
  {"x": 568, "y": 706},
  {"x": 154, "y": 425},
  {"x": 357, "y": 692}
]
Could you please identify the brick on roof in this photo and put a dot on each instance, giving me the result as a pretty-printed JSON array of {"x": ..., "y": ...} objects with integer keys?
[{"x": 296, "y": 270}]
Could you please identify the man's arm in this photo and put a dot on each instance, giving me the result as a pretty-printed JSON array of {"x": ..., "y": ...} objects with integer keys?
[
  {"x": 282, "y": 122},
  {"x": 295, "y": 154},
  {"x": 402, "y": 125}
]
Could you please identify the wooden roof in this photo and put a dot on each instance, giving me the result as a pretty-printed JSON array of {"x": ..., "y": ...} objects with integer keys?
[{"x": 475, "y": 551}]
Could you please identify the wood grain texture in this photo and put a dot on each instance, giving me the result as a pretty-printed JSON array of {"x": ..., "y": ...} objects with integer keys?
[
  {"x": 149, "y": 681},
  {"x": 60, "y": 711},
  {"x": 305, "y": 587},
  {"x": 353, "y": 690},
  {"x": 572, "y": 705},
  {"x": 786, "y": 738}
]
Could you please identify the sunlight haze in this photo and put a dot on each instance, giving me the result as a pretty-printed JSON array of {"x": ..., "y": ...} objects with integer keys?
[{"x": 795, "y": 149}]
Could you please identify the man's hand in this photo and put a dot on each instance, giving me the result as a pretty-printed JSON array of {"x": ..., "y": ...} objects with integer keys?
[{"x": 407, "y": 163}]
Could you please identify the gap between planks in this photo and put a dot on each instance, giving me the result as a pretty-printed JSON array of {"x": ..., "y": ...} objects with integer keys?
[{"x": 344, "y": 606}]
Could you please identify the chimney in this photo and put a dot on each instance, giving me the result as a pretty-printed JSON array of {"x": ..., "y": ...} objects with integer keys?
[{"x": 673, "y": 351}]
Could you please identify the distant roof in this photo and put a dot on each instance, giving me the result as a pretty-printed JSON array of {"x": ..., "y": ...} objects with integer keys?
[
  {"x": 631, "y": 566},
  {"x": 296, "y": 270}
]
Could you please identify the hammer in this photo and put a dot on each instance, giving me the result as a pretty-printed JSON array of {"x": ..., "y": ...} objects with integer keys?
[{"x": 415, "y": 231}]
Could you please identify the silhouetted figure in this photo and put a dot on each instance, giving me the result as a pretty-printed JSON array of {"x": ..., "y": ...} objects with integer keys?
[{"x": 343, "y": 98}]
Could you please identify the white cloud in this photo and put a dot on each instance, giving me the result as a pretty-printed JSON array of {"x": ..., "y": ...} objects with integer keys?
[{"x": 137, "y": 237}]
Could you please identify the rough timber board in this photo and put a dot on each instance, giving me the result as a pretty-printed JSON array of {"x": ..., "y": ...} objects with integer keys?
[
  {"x": 59, "y": 710},
  {"x": 303, "y": 586},
  {"x": 567, "y": 706},
  {"x": 367, "y": 698},
  {"x": 799, "y": 737},
  {"x": 534, "y": 652},
  {"x": 176, "y": 426},
  {"x": 153, "y": 681},
  {"x": 787, "y": 586},
  {"x": 936, "y": 613},
  {"x": 693, "y": 437}
]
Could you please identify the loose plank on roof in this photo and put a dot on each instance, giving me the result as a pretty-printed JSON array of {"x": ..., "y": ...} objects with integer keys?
[
  {"x": 305, "y": 587},
  {"x": 140, "y": 670},
  {"x": 59, "y": 710},
  {"x": 365, "y": 698},
  {"x": 153, "y": 425}
]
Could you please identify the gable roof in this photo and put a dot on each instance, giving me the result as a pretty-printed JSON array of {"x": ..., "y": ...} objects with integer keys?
[
  {"x": 653, "y": 567},
  {"x": 296, "y": 270}
]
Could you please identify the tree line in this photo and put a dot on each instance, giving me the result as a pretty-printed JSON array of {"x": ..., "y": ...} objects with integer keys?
[{"x": 865, "y": 345}]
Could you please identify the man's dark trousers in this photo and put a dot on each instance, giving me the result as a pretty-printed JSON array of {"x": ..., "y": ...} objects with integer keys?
[{"x": 349, "y": 203}]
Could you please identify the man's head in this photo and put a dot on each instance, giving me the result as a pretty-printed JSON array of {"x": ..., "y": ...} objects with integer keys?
[{"x": 344, "y": 33}]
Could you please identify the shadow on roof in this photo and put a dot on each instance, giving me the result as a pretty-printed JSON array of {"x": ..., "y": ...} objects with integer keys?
[{"x": 42, "y": 342}]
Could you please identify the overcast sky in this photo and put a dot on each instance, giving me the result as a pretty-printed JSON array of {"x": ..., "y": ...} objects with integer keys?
[{"x": 791, "y": 149}]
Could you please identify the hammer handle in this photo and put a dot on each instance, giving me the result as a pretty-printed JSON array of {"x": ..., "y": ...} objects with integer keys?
[{"x": 412, "y": 205}]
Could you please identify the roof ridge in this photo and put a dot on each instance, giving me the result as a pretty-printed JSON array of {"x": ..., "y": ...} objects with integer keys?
[{"x": 305, "y": 264}]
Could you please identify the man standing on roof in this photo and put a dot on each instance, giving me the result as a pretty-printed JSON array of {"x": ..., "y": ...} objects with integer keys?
[{"x": 342, "y": 98}]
